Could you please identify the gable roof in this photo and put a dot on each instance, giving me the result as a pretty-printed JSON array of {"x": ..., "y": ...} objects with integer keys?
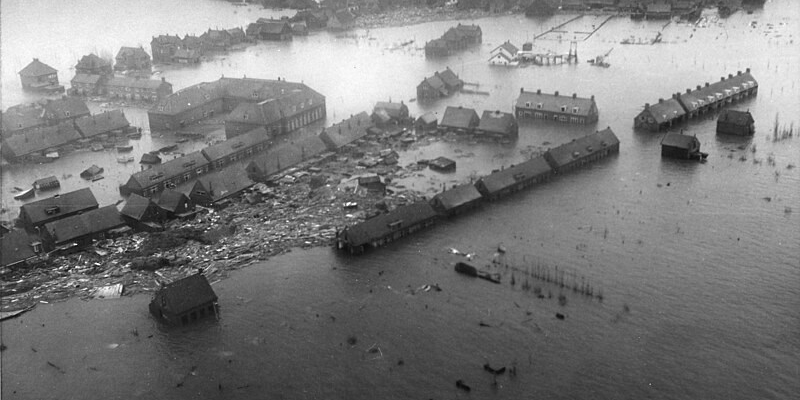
[
  {"x": 171, "y": 199},
  {"x": 666, "y": 110},
  {"x": 223, "y": 183},
  {"x": 458, "y": 196},
  {"x": 458, "y": 117},
  {"x": 723, "y": 88},
  {"x": 393, "y": 110},
  {"x": 428, "y": 118},
  {"x": 436, "y": 82},
  {"x": 554, "y": 102},
  {"x": 187, "y": 293},
  {"x": 161, "y": 172},
  {"x": 496, "y": 121},
  {"x": 136, "y": 52},
  {"x": 679, "y": 140},
  {"x": 41, "y": 138},
  {"x": 346, "y": 131},
  {"x": 81, "y": 199},
  {"x": 742, "y": 118},
  {"x": 136, "y": 206},
  {"x": 385, "y": 224},
  {"x": 59, "y": 108},
  {"x": 22, "y": 116},
  {"x": 510, "y": 176},
  {"x": 92, "y": 125},
  {"x": 236, "y": 144},
  {"x": 90, "y": 222},
  {"x": 508, "y": 47},
  {"x": 166, "y": 39},
  {"x": 37, "y": 68},
  {"x": 450, "y": 78},
  {"x": 15, "y": 246},
  {"x": 582, "y": 147},
  {"x": 91, "y": 61}
]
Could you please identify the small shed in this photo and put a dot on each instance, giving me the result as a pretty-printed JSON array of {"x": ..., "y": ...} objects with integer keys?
[
  {"x": 442, "y": 164},
  {"x": 678, "y": 145},
  {"x": 732, "y": 122},
  {"x": 185, "y": 300},
  {"x": 150, "y": 159},
  {"x": 372, "y": 184},
  {"x": 51, "y": 182}
]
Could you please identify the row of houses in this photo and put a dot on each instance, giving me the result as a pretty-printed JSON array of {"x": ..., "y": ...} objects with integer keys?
[
  {"x": 275, "y": 105},
  {"x": 703, "y": 99},
  {"x": 491, "y": 124},
  {"x": 34, "y": 145},
  {"x": 188, "y": 50},
  {"x": 555, "y": 107},
  {"x": 455, "y": 39},
  {"x": 21, "y": 118},
  {"x": 405, "y": 220},
  {"x": 120, "y": 87}
]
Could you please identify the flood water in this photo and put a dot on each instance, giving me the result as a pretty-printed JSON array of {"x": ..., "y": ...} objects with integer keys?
[{"x": 698, "y": 263}]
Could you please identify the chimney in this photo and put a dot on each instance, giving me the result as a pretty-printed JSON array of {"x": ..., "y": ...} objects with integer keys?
[
  {"x": 675, "y": 95},
  {"x": 574, "y": 95},
  {"x": 747, "y": 70},
  {"x": 163, "y": 79},
  {"x": 688, "y": 90},
  {"x": 538, "y": 91},
  {"x": 721, "y": 78},
  {"x": 556, "y": 93},
  {"x": 698, "y": 87},
  {"x": 706, "y": 84},
  {"x": 730, "y": 76},
  {"x": 738, "y": 73},
  {"x": 646, "y": 106},
  {"x": 592, "y": 97},
  {"x": 660, "y": 100}
]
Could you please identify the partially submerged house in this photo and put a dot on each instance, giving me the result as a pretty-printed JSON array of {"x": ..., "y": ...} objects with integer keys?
[
  {"x": 17, "y": 248},
  {"x": 175, "y": 204},
  {"x": 678, "y": 145},
  {"x": 661, "y": 115},
  {"x": 347, "y": 131},
  {"x": 91, "y": 64},
  {"x": 441, "y": 84},
  {"x": 554, "y": 107},
  {"x": 184, "y": 301},
  {"x": 497, "y": 125},
  {"x": 733, "y": 122},
  {"x": 371, "y": 184},
  {"x": 583, "y": 150},
  {"x": 386, "y": 228},
  {"x": 514, "y": 178},
  {"x": 78, "y": 231},
  {"x": 457, "y": 199},
  {"x": 132, "y": 58},
  {"x": 442, "y": 164},
  {"x": 505, "y": 54},
  {"x": 37, "y": 213},
  {"x": 107, "y": 123},
  {"x": 33, "y": 145},
  {"x": 387, "y": 112},
  {"x": 141, "y": 213},
  {"x": 427, "y": 122},
  {"x": 40, "y": 77},
  {"x": 459, "y": 120}
]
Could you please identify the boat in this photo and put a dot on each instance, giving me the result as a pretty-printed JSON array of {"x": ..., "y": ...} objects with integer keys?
[
  {"x": 134, "y": 135},
  {"x": 26, "y": 194},
  {"x": 124, "y": 159},
  {"x": 124, "y": 149},
  {"x": 469, "y": 270}
]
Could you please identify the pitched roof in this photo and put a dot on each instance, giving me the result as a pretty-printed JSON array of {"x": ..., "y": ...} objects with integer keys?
[
  {"x": 81, "y": 199},
  {"x": 458, "y": 117},
  {"x": 496, "y": 121},
  {"x": 92, "y": 125},
  {"x": 90, "y": 222},
  {"x": 166, "y": 39},
  {"x": 37, "y": 68},
  {"x": 187, "y": 293},
  {"x": 15, "y": 246},
  {"x": 91, "y": 61},
  {"x": 287, "y": 154},
  {"x": 394, "y": 110},
  {"x": 510, "y": 176},
  {"x": 161, "y": 172},
  {"x": 507, "y": 46},
  {"x": 236, "y": 144},
  {"x": 274, "y": 26},
  {"x": 742, "y": 118},
  {"x": 718, "y": 90},
  {"x": 582, "y": 147},
  {"x": 678, "y": 140},
  {"x": 436, "y": 82},
  {"x": 132, "y": 82},
  {"x": 666, "y": 110},
  {"x": 41, "y": 138},
  {"x": 22, "y": 117},
  {"x": 262, "y": 113},
  {"x": 223, "y": 183},
  {"x": 86, "y": 78},
  {"x": 136, "y": 52},
  {"x": 59, "y": 108},
  {"x": 450, "y": 78},
  {"x": 236, "y": 32},
  {"x": 554, "y": 102},
  {"x": 428, "y": 118},
  {"x": 458, "y": 196},
  {"x": 50, "y": 181},
  {"x": 385, "y": 224},
  {"x": 136, "y": 206},
  {"x": 346, "y": 131},
  {"x": 171, "y": 199}
]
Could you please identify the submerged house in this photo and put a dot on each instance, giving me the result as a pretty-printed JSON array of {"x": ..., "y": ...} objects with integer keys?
[
  {"x": 38, "y": 76},
  {"x": 514, "y": 178},
  {"x": 582, "y": 151},
  {"x": 35, "y": 214},
  {"x": 347, "y": 131},
  {"x": 386, "y": 228},
  {"x": 141, "y": 213},
  {"x": 661, "y": 115},
  {"x": 678, "y": 145},
  {"x": 457, "y": 200},
  {"x": 185, "y": 300},
  {"x": 387, "y": 112},
  {"x": 174, "y": 204},
  {"x": 132, "y": 58},
  {"x": 219, "y": 187},
  {"x": 499, "y": 125},
  {"x": 733, "y": 122},
  {"x": 459, "y": 120},
  {"x": 81, "y": 230},
  {"x": 570, "y": 109},
  {"x": 170, "y": 174}
]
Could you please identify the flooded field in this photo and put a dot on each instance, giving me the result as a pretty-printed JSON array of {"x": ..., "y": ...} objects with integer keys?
[{"x": 698, "y": 263}]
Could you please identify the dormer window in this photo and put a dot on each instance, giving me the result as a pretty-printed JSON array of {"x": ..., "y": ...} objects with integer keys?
[
  {"x": 563, "y": 108},
  {"x": 255, "y": 94},
  {"x": 245, "y": 116},
  {"x": 66, "y": 113},
  {"x": 310, "y": 101},
  {"x": 575, "y": 110},
  {"x": 527, "y": 104}
]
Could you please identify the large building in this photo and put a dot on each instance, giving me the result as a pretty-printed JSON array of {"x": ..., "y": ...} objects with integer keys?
[
  {"x": 555, "y": 107},
  {"x": 291, "y": 105}
]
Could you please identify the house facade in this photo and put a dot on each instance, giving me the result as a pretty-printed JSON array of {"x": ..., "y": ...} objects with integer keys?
[
  {"x": 553, "y": 107},
  {"x": 733, "y": 122},
  {"x": 38, "y": 76},
  {"x": 132, "y": 58},
  {"x": 38, "y": 213},
  {"x": 163, "y": 48},
  {"x": 459, "y": 120},
  {"x": 131, "y": 88},
  {"x": 184, "y": 301},
  {"x": 678, "y": 145}
]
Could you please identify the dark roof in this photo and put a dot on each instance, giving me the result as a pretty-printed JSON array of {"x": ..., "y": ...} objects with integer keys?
[
  {"x": 458, "y": 117},
  {"x": 187, "y": 293},
  {"x": 166, "y": 39},
  {"x": 458, "y": 196},
  {"x": 86, "y": 78},
  {"x": 437, "y": 83},
  {"x": 236, "y": 144},
  {"x": 148, "y": 158},
  {"x": 41, "y": 138},
  {"x": 742, "y": 118},
  {"x": 442, "y": 163},
  {"x": 274, "y": 26},
  {"x": 90, "y": 222},
  {"x": 37, "y": 68},
  {"x": 496, "y": 121},
  {"x": 47, "y": 182},
  {"x": 172, "y": 168},
  {"x": 385, "y": 224},
  {"x": 510, "y": 176},
  {"x": 136, "y": 52},
  {"x": 428, "y": 118},
  {"x": 15, "y": 246},
  {"x": 394, "y": 110},
  {"x": 582, "y": 147},
  {"x": 262, "y": 113},
  {"x": 345, "y": 17},
  {"x": 223, "y": 183},
  {"x": 666, "y": 110},
  {"x": 679, "y": 140},
  {"x": 92, "y": 125},
  {"x": 91, "y": 61},
  {"x": 136, "y": 206},
  {"x": 287, "y": 154},
  {"x": 346, "y": 131},
  {"x": 171, "y": 199},
  {"x": 81, "y": 199},
  {"x": 132, "y": 82},
  {"x": 718, "y": 90},
  {"x": 22, "y": 116},
  {"x": 554, "y": 102},
  {"x": 450, "y": 78},
  {"x": 73, "y": 106}
]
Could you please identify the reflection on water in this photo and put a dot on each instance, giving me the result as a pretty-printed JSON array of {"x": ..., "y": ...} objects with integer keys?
[{"x": 699, "y": 271}]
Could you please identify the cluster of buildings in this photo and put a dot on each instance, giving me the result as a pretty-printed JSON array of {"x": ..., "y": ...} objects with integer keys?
[
  {"x": 278, "y": 106},
  {"x": 441, "y": 84},
  {"x": 696, "y": 102},
  {"x": 167, "y": 49},
  {"x": 456, "y": 39},
  {"x": 404, "y": 220},
  {"x": 649, "y": 9},
  {"x": 38, "y": 132}
]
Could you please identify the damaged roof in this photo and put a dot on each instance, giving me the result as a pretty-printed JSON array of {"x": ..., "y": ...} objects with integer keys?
[{"x": 187, "y": 293}]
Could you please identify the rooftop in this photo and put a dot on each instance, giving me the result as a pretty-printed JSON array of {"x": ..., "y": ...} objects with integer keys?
[{"x": 81, "y": 199}]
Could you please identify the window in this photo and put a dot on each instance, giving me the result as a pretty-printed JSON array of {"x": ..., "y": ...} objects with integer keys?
[
  {"x": 66, "y": 113},
  {"x": 527, "y": 104},
  {"x": 255, "y": 94},
  {"x": 575, "y": 110},
  {"x": 563, "y": 108},
  {"x": 539, "y": 106}
]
